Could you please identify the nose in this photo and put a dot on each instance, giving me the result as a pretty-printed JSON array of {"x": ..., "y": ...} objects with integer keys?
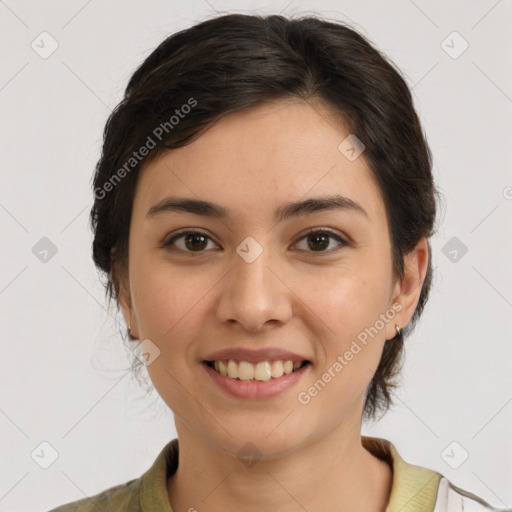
[{"x": 254, "y": 294}]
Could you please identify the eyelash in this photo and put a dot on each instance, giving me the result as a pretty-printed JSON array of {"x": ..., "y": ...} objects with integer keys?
[{"x": 313, "y": 231}]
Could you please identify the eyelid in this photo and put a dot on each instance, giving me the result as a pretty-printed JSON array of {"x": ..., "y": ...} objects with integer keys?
[
  {"x": 186, "y": 231},
  {"x": 342, "y": 240}
]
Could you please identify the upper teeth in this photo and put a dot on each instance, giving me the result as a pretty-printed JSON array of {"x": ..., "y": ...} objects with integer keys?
[{"x": 263, "y": 371}]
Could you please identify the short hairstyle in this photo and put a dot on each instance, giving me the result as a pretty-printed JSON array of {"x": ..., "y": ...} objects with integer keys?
[{"x": 233, "y": 62}]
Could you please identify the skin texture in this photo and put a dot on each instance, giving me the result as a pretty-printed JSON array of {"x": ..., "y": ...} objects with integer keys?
[{"x": 313, "y": 302}]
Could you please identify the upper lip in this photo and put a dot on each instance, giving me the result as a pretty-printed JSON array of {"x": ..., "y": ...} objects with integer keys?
[{"x": 255, "y": 355}]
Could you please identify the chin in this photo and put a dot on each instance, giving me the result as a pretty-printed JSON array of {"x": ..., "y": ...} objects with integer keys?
[{"x": 262, "y": 441}]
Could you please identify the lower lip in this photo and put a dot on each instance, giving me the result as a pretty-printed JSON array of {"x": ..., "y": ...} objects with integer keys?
[{"x": 256, "y": 390}]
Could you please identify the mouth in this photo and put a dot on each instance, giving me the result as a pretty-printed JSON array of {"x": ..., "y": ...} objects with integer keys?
[{"x": 262, "y": 371}]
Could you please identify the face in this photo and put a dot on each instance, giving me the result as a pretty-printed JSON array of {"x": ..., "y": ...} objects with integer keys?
[{"x": 261, "y": 281}]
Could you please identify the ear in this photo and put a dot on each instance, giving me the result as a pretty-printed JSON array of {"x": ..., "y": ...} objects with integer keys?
[
  {"x": 408, "y": 290},
  {"x": 123, "y": 291}
]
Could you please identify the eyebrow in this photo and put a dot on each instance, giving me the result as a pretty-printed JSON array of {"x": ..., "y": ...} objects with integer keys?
[{"x": 285, "y": 211}]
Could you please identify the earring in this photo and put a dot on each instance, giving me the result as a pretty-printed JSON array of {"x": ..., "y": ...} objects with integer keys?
[{"x": 398, "y": 330}]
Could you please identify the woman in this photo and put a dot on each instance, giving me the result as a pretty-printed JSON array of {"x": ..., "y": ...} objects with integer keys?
[{"x": 263, "y": 208}]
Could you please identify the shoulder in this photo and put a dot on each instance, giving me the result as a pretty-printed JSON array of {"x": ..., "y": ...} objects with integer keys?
[
  {"x": 122, "y": 497},
  {"x": 451, "y": 498},
  {"x": 420, "y": 489},
  {"x": 148, "y": 492}
]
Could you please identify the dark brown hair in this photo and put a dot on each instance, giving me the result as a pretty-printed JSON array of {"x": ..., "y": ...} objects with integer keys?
[{"x": 234, "y": 62}]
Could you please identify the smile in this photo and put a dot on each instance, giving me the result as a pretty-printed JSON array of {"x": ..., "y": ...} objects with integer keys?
[
  {"x": 256, "y": 381},
  {"x": 262, "y": 371}
]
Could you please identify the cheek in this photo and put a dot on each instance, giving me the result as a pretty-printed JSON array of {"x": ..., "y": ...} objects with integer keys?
[
  {"x": 349, "y": 298},
  {"x": 349, "y": 310},
  {"x": 168, "y": 301},
  {"x": 350, "y": 307},
  {"x": 169, "y": 313}
]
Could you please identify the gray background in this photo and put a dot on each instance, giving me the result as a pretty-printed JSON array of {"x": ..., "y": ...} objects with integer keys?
[{"x": 64, "y": 368}]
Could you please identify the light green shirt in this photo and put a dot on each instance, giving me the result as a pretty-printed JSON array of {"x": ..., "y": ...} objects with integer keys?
[{"x": 414, "y": 488}]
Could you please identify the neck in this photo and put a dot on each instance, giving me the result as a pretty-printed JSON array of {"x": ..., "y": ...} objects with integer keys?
[{"x": 342, "y": 475}]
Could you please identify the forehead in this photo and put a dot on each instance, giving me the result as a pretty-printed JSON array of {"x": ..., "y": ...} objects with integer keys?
[{"x": 274, "y": 153}]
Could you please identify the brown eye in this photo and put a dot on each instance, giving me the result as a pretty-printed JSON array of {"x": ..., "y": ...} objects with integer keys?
[
  {"x": 320, "y": 240},
  {"x": 195, "y": 241},
  {"x": 190, "y": 241}
]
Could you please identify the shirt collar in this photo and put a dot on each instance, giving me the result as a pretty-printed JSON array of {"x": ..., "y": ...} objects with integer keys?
[{"x": 414, "y": 488}]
